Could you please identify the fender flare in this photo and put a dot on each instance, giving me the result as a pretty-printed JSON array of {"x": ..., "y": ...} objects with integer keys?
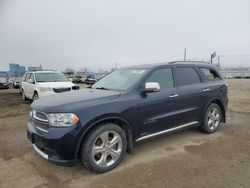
[
  {"x": 128, "y": 131},
  {"x": 223, "y": 111}
]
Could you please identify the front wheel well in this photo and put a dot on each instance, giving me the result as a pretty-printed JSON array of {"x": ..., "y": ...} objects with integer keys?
[
  {"x": 35, "y": 92},
  {"x": 218, "y": 102},
  {"x": 122, "y": 123}
]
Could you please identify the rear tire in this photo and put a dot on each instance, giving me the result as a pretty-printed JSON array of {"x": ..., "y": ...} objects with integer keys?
[
  {"x": 212, "y": 119},
  {"x": 104, "y": 148}
]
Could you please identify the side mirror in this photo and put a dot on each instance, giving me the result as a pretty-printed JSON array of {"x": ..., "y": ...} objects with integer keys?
[
  {"x": 31, "y": 81},
  {"x": 151, "y": 87}
]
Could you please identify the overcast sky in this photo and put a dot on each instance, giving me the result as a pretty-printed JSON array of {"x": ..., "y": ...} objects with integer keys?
[{"x": 98, "y": 33}]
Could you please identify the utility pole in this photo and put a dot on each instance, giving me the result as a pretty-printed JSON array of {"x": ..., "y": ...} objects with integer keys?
[
  {"x": 185, "y": 54},
  {"x": 218, "y": 61},
  {"x": 213, "y": 55}
]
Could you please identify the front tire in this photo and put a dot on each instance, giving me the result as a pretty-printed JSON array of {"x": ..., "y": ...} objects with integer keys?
[
  {"x": 212, "y": 119},
  {"x": 104, "y": 148}
]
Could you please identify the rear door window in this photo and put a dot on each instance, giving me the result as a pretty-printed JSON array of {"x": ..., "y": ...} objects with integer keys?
[
  {"x": 210, "y": 74},
  {"x": 186, "y": 76},
  {"x": 162, "y": 76}
]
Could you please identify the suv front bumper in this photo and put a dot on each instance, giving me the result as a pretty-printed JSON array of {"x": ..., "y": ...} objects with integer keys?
[{"x": 57, "y": 146}]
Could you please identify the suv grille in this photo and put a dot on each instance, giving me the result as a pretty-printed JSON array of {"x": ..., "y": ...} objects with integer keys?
[
  {"x": 42, "y": 126},
  {"x": 60, "y": 90},
  {"x": 40, "y": 120},
  {"x": 40, "y": 116}
]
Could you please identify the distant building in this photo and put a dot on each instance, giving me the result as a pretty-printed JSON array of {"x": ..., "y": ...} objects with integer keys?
[
  {"x": 3, "y": 74},
  {"x": 35, "y": 68},
  {"x": 16, "y": 69}
]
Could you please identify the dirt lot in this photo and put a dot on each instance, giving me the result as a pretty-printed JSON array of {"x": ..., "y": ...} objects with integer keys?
[{"x": 184, "y": 159}]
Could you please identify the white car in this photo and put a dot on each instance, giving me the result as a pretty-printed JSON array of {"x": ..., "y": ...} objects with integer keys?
[{"x": 40, "y": 84}]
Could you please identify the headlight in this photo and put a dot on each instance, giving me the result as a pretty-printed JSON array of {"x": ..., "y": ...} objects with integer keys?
[
  {"x": 62, "y": 119},
  {"x": 45, "y": 89}
]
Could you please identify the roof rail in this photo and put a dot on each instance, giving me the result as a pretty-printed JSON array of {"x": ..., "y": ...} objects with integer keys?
[{"x": 173, "y": 62}]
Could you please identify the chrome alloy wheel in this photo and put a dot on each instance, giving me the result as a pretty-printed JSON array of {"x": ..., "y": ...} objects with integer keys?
[
  {"x": 107, "y": 148},
  {"x": 213, "y": 118}
]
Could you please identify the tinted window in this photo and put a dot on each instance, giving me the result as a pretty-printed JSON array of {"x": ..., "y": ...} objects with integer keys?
[
  {"x": 210, "y": 74},
  {"x": 186, "y": 76},
  {"x": 164, "y": 77}
]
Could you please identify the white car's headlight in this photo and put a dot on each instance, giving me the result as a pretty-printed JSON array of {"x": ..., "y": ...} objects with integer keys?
[
  {"x": 45, "y": 89},
  {"x": 62, "y": 119}
]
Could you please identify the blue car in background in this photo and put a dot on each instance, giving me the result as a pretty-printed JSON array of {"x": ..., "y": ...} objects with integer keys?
[{"x": 92, "y": 78}]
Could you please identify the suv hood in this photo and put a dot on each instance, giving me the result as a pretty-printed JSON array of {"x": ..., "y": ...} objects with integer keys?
[
  {"x": 73, "y": 100},
  {"x": 55, "y": 84}
]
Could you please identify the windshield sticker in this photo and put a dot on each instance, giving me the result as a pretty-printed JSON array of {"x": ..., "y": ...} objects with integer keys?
[{"x": 137, "y": 71}]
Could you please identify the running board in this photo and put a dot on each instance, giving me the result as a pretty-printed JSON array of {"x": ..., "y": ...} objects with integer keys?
[{"x": 166, "y": 131}]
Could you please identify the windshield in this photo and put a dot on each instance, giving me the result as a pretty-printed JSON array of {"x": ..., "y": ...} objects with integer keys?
[
  {"x": 51, "y": 77},
  {"x": 120, "y": 79}
]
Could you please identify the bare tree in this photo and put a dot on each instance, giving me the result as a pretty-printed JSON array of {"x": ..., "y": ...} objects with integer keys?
[
  {"x": 69, "y": 71},
  {"x": 101, "y": 71},
  {"x": 85, "y": 69}
]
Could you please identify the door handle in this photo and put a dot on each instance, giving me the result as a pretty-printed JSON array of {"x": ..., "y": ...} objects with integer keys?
[
  {"x": 173, "y": 95},
  {"x": 207, "y": 89}
]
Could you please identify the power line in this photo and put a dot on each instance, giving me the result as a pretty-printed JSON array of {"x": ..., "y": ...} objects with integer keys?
[{"x": 234, "y": 55}]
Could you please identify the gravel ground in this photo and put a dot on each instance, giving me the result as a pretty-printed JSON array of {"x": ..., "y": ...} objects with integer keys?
[{"x": 185, "y": 159}]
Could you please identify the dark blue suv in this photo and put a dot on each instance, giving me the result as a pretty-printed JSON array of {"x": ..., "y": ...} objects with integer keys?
[{"x": 100, "y": 123}]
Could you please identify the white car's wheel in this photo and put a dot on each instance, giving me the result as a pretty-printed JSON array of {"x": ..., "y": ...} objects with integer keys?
[{"x": 35, "y": 96}]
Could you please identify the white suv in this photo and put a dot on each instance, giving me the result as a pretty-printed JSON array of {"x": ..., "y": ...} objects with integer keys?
[{"x": 40, "y": 84}]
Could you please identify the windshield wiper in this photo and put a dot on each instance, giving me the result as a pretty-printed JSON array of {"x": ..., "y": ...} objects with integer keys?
[{"x": 102, "y": 88}]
